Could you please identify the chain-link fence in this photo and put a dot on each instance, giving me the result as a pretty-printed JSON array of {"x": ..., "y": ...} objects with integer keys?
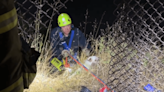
[
  {"x": 36, "y": 17},
  {"x": 137, "y": 47},
  {"x": 137, "y": 39}
]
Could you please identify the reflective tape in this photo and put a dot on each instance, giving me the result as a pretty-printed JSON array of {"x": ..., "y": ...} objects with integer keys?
[
  {"x": 8, "y": 21},
  {"x": 15, "y": 87},
  {"x": 28, "y": 78}
]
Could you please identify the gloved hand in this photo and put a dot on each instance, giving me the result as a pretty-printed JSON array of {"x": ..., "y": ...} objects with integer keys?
[
  {"x": 65, "y": 53},
  {"x": 86, "y": 52}
]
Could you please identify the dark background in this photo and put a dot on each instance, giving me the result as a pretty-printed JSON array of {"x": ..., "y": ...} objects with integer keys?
[
  {"x": 96, "y": 8},
  {"x": 76, "y": 10}
]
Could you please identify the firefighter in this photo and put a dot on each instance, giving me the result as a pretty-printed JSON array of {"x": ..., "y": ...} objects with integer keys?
[
  {"x": 17, "y": 59},
  {"x": 67, "y": 38}
]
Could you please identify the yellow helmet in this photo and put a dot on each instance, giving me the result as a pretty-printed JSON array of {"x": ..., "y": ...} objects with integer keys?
[{"x": 64, "y": 19}]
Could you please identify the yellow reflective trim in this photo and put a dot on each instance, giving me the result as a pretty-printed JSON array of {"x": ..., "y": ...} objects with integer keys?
[
  {"x": 21, "y": 89},
  {"x": 14, "y": 85},
  {"x": 9, "y": 26},
  {"x": 8, "y": 15},
  {"x": 30, "y": 76},
  {"x": 7, "y": 21}
]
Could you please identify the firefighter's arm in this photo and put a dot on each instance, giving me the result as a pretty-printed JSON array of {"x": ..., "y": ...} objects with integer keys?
[
  {"x": 11, "y": 64},
  {"x": 8, "y": 16},
  {"x": 10, "y": 49}
]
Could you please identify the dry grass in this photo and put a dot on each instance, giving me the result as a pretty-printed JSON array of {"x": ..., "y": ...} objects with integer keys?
[
  {"x": 61, "y": 82},
  {"x": 121, "y": 70}
]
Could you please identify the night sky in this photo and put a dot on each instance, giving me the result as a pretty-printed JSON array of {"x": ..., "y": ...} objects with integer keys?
[
  {"x": 77, "y": 10},
  {"x": 96, "y": 8}
]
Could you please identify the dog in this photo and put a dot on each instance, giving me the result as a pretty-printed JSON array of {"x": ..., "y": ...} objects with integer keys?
[
  {"x": 91, "y": 61},
  {"x": 89, "y": 64}
]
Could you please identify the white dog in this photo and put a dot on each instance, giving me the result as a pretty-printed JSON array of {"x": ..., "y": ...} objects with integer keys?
[{"x": 89, "y": 63}]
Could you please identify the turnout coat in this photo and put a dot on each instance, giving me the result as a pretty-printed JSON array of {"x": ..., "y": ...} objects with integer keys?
[{"x": 17, "y": 59}]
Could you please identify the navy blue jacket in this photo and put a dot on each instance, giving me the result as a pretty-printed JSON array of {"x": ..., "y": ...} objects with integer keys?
[{"x": 79, "y": 40}]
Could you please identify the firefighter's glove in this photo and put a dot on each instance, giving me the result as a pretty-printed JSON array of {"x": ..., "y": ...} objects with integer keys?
[
  {"x": 65, "y": 53},
  {"x": 86, "y": 52}
]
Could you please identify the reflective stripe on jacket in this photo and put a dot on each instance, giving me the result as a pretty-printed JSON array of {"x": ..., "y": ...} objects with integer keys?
[{"x": 17, "y": 66}]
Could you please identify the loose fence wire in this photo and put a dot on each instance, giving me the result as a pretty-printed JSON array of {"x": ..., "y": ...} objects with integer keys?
[
  {"x": 137, "y": 46},
  {"x": 136, "y": 39}
]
